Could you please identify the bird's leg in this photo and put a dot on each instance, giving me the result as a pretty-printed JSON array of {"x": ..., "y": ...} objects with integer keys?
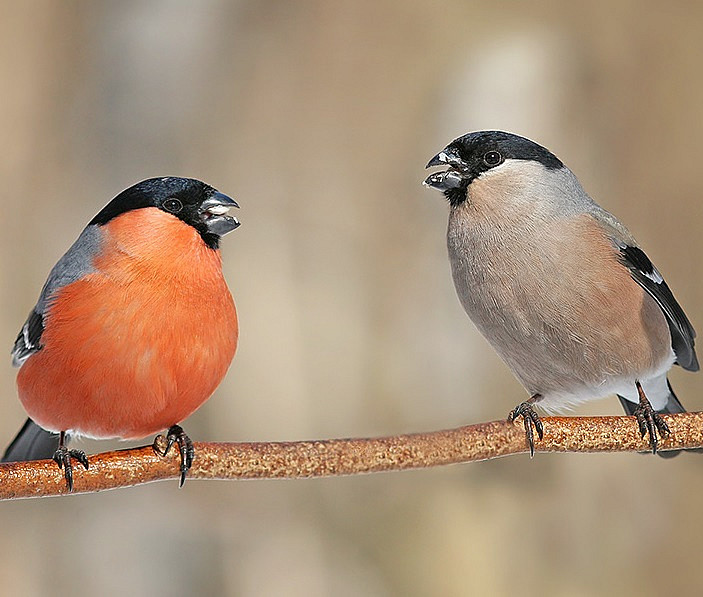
[
  {"x": 177, "y": 436},
  {"x": 529, "y": 415},
  {"x": 649, "y": 420},
  {"x": 63, "y": 456}
]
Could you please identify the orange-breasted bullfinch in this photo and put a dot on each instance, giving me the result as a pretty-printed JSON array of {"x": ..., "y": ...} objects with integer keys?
[
  {"x": 558, "y": 285},
  {"x": 134, "y": 328}
]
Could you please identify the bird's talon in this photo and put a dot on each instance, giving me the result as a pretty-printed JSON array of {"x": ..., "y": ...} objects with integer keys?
[
  {"x": 529, "y": 433},
  {"x": 651, "y": 423},
  {"x": 177, "y": 436},
  {"x": 62, "y": 457},
  {"x": 661, "y": 424},
  {"x": 80, "y": 456},
  {"x": 538, "y": 424},
  {"x": 162, "y": 445},
  {"x": 531, "y": 421}
]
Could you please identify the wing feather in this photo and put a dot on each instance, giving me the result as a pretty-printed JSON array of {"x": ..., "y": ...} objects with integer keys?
[{"x": 648, "y": 277}]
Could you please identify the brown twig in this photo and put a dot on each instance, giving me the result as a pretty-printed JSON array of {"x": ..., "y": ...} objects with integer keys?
[{"x": 323, "y": 458}]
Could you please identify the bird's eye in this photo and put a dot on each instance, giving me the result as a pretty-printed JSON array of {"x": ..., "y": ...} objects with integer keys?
[
  {"x": 492, "y": 158},
  {"x": 172, "y": 205}
]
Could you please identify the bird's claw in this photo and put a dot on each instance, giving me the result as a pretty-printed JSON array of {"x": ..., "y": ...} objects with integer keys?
[
  {"x": 62, "y": 457},
  {"x": 176, "y": 435},
  {"x": 651, "y": 423},
  {"x": 532, "y": 421},
  {"x": 649, "y": 420}
]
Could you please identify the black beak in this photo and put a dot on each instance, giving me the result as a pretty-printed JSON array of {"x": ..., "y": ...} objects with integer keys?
[
  {"x": 214, "y": 210},
  {"x": 449, "y": 179},
  {"x": 449, "y": 157},
  {"x": 435, "y": 161},
  {"x": 221, "y": 199},
  {"x": 443, "y": 181}
]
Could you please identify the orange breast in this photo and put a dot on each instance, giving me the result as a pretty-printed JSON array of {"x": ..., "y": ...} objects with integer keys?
[{"x": 141, "y": 343}]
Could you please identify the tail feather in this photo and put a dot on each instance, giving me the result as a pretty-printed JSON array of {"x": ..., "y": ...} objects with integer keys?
[
  {"x": 673, "y": 406},
  {"x": 628, "y": 407},
  {"x": 31, "y": 443}
]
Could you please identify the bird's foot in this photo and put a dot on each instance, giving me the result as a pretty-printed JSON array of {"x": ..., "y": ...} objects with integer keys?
[
  {"x": 650, "y": 421},
  {"x": 527, "y": 411},
  {"x": 176, "y": 435},
  {"x": 63, "y": 457}
]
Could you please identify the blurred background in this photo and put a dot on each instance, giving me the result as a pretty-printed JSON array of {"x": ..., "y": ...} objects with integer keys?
[{"x": 319, "y": 117}]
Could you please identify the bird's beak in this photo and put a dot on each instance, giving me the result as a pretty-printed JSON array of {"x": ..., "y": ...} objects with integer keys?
[
  {"x": 214, "y": 213},
  {"x": 450, "y": 178},
  {"x": 446, "y": 156}
]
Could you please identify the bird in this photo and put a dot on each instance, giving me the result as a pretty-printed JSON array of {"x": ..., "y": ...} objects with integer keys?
[
  {"x": 557, "y": 285},
  {"x": 134, "y": 328}
]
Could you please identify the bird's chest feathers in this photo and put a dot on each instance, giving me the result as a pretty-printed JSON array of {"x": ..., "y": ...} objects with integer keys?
[
  {"x": 491, "y": 250},
  {"x": 507, "y": 259},
  {"x": 156, "y": 289},
  {"x": 162, "y": 266}
]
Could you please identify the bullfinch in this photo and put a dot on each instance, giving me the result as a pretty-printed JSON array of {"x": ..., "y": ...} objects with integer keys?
[
  {"x": 557, "y": 285},
  {"x": 134, "y": 328}
]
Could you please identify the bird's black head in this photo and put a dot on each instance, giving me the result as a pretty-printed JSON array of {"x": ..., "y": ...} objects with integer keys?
[
  {"x": 475, "y": 153},
  {"x": 192, "y": 201}
]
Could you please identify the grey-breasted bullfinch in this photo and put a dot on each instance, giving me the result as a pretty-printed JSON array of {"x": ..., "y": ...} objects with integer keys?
[{"x": 557, "y": 285}]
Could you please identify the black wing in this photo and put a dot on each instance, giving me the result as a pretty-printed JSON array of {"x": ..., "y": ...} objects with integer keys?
[
  {"x": 29, "y": 339},
  {"x": 648, "y": 277}
]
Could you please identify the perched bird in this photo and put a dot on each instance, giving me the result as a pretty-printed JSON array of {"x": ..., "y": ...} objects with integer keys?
[
  {"x": 134, "y": 328},
  {"x": 558, "y": 285}
]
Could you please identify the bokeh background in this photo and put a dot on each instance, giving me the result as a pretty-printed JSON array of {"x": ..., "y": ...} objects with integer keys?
[{"x": 319, "y": 117}]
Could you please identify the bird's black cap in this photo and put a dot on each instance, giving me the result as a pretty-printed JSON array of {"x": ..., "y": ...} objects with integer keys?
[
  {"x": 510, "y": 146},
  {"x": 192, "y": 201},
  {"x": 475, "y": 153}
]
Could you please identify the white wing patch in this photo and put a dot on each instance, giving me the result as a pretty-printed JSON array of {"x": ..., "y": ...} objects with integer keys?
[
  {"x": 25, "y": 335},
  {"x": 654, "y": 276}
]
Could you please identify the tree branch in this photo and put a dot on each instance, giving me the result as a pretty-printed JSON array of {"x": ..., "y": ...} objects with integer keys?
[{"x": 324, "y": 458}]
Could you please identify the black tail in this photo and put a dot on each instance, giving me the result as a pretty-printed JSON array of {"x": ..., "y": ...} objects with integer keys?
[
  {"x": 673, "y": 406},
  {"x": 31, "y": 443}
]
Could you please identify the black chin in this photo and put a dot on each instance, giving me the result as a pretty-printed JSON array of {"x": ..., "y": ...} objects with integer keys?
[
  {"x": 210, "y": 239},
  {"x": 456, "y": 196}
]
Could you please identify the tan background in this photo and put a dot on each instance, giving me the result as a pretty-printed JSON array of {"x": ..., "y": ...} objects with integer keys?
[{"x": 319, "y": 117}]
